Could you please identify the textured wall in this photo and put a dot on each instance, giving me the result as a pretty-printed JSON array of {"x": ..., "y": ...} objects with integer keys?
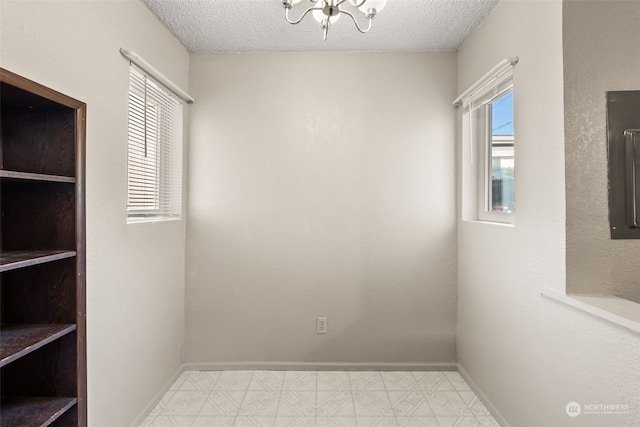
[
  {"x": 321, "y": 184},
  {"x": 135, "y": 273},
  {"x": 531, "y": 355},
  {"x": 602, "y": 52}
]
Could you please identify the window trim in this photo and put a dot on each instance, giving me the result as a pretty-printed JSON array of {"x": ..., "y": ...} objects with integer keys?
[
  {"x": 485, "y": 154},
  {"x": 166, "y": 186},
  {"x": 475, "y": 137}
]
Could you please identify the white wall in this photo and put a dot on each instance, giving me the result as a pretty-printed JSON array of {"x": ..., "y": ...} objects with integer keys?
[
  {"x": 602, "y": 52},
  {"x": 321, "y": 184},
  {"x": 528, "y": 354},
  {"x": 135, "y": 273}
]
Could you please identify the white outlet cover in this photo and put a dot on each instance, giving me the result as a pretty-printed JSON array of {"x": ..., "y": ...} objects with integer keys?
[{"x": 321, "y": 325}]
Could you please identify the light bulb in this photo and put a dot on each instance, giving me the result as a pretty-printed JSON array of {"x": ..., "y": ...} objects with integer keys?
[{"x": 319, "y": 14}]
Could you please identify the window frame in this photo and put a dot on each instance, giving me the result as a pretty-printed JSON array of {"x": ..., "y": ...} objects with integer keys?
[
  {"x": 163, "y": 200},
  {"x": 485, "y": 161}
]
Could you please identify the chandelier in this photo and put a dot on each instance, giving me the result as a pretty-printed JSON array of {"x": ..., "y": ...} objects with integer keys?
[{"x": 327, "y": 12}]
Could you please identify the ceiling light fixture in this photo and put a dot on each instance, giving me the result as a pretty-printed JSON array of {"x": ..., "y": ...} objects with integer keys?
[{"x": 327, "y": 12}]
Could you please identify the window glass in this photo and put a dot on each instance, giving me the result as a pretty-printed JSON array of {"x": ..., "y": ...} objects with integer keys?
[{"x": 501, "y": 181}]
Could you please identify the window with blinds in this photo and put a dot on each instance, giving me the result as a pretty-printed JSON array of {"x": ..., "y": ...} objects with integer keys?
[
  {"x": 154, "y": 164},
  {"x": 488, "y": 147}
]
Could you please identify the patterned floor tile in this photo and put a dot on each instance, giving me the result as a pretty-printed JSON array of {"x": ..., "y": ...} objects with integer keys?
[
  {"x": 409, "y": 404},
  {"x": 295, "y": 422},
  {"x": 255, "y": 422},
  {"x": 173, "y": 421},
  {"x": 234, "y": 380},
  {"x": 376, "y": 421},
  {"x": 319, "y": 399},
  {"x": 418, "y": 421},
  {"x": 212, "y": 421},
  {"x": 336, "y": 422},
  {"x": 487, "y": 421},
  {"x": 267, "y": 380},
  {"x": 372, "y": 404},
  {"x": 222, "y": 403},
  {"x": 262, "y": 403},
  {"x": 333, "y": 380},
  {"x": 433, "y": 381},
  {"x": 297, "y": 403},
  {"x": 447, "y": 403},
  {"x": 334, "y": 404},
  {"x": 457, "y": 381},
  {"x": 399, "y": 381},
  {"x": 366, "y": 381},
  {"x": 300, "y": 380},
  {"x": 458, "y": 422},
  {"x": 185, "y": 403},
  {"x": 200, "y": 380},
  {"x": 176, "y": 385},
  {"x": 473, "y": 403},
  {"x": 164, "y": 401}
]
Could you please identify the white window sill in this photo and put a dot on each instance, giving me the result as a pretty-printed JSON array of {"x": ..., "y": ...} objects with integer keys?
[
  {"x": 145, "y": 220},
  {"x": 617, "y": 310},
  {"x": 486, "y": 222}
]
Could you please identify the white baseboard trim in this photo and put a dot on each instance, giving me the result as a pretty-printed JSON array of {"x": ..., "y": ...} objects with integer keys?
[
  {"x": 156, "y": 398},
  {"x": 483, "y": 397},
  {"x": 318, "y": 366}
]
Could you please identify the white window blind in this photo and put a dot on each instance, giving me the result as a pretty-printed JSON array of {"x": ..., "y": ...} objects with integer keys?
[
  {"x": 489, "y": 91},
  {"x": 154, "y": 150}
]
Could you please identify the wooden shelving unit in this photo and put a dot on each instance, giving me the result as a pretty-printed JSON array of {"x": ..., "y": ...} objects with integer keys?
[
  {"x": 13, "y": 260},
  {"x": 42, "y": 256}
]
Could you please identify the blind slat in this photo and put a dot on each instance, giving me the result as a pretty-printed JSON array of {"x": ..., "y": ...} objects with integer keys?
[{"x": 154, "y": 149}]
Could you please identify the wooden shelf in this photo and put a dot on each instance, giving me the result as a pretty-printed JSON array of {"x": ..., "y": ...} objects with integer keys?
[
  {"x": 20, "y": 259},
  {"x": 33, "y": 411},
  {"x": 19, "y": 340},
  {"x": 35, "y": 176},
  {"x": 42, "y": 256}
]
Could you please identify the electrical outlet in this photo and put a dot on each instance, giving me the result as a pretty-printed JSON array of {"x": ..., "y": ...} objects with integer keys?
[{"x": 321, "y": 325}]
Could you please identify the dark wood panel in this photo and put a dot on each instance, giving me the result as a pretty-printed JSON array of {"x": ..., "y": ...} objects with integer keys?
[
  {"x": 69, "y": 418},
  {"x": 21, "y": 259},
  {"x": 34, "y": 411},
  {"x": 81, "y": 413},
  {"x": 17, "y": 341},
  {"x": 39, "y": 141},
  {"x": 5, "y": 174},
  {"x": 38, "y": 90},
  {"x": 42, "y": 205},
  {"x": 44, "y": 293},
  {"x": 49, "y": 371},
  {"x": 42, "y": 216}
]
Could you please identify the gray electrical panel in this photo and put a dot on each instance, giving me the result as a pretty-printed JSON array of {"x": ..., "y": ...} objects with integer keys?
[{"x": 623, "y": 145}]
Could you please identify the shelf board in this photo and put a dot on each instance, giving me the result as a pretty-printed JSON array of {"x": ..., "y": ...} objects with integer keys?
[
  {"x": 20, "y": 259},
  {"x": 33, "y": 411},
  {"x": 35, "y": 176},
  {"x": 19, "y": 340}
]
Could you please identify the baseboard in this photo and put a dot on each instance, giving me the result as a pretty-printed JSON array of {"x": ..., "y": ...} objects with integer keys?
[
  {"x": 318, "y": 366},
  {"x": 483, "y": 397},
  {"x": 156, "y": 398}
]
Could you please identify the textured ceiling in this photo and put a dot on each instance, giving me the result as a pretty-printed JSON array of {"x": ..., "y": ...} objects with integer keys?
[{"x": 206, "y": 26}]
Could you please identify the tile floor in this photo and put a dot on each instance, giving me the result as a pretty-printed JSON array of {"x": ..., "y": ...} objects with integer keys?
[{"x": 323, "y": 398}]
